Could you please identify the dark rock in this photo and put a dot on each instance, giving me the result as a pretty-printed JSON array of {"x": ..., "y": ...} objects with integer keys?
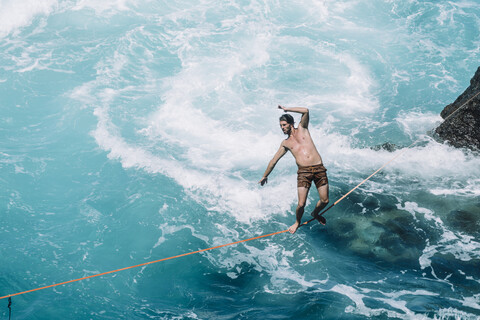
[
  {"x": 461, "y": 127},
  {"x": 386, "y": 146}
]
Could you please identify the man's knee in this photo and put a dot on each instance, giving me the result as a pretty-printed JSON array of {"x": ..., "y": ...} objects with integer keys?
[
  {"x": 324, "y": 200},
  {"x": 301, "y": 205}
]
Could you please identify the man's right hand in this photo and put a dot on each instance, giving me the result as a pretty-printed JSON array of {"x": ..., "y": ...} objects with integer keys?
[{"x": 263, "y": 181}]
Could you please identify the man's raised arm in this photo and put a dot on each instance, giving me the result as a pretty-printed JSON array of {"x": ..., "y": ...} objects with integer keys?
[{"x": 304, "y": 111}]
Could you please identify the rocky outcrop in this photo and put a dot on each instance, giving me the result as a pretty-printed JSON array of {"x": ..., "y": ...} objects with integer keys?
[{"x": 461, "y": 127}]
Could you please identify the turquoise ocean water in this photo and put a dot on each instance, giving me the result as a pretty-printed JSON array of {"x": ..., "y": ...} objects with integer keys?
[{"x": 132, "y": 131}]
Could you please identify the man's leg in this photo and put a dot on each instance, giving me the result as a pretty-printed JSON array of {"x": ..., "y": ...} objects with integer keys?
[
  {"x": 323, "y": 193},
  {"x": 302, "y": 199}
]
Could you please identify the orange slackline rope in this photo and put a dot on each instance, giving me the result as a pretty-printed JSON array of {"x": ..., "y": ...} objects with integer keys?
[
  {"x": 232, "y": 243},
  {"x": 143, "y": 264},
  {"x": 202, "y": 250}
]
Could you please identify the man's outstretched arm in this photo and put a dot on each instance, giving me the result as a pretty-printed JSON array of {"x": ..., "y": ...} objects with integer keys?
[
  {"x": 280, "y": 153},
  {"x": 304, "y": 111}
]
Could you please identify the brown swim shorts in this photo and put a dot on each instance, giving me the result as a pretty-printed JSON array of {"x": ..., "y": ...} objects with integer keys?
[{"x": 316, "y": 173}]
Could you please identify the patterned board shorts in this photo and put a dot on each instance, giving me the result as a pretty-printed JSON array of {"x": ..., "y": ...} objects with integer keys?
[{"x": 316, "y": 173}]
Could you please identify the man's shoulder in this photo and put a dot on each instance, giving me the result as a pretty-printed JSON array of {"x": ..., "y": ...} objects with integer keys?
[{"x": 285, "y": 143}]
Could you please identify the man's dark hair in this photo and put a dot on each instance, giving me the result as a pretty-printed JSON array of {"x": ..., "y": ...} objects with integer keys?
[{"x": 288, "y": 118}]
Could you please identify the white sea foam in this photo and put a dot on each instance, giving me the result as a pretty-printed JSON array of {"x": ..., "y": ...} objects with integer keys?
[
  {"x": 18, "y": 14},
  {"x": 472, "y": 302},
  {"x": 427, "y": 163},
  {"x": 394, "y": 301},
  {"x": 218, "y": 192},
  {"x": 274, "y": 259},
  {"x": 452, "y": 313},
  {"x": 168, "y": 229},
  {"x": 415, "y": 123},
  {"x": 105, "y": 6},
  {"x": 33, "y": 59},
  {"x": 469, "y": 188}
]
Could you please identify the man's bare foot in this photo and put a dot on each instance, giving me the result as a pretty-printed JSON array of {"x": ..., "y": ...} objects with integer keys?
[
  {"x": 320, "y": 218},
  {"x": 293, "y": 228}
]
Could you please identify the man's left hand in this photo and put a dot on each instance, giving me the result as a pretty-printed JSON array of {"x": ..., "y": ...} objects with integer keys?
[{"x": 263, "y": 181}]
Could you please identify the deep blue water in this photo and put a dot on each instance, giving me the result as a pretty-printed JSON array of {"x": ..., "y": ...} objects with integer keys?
[{"x": 132, "y": 131}]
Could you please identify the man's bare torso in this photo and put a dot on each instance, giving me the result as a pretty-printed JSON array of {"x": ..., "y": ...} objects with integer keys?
[{"x": 301, "y": 145}]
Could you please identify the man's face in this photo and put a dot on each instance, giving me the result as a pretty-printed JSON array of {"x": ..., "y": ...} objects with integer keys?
[{"x": 286, "y": 127}]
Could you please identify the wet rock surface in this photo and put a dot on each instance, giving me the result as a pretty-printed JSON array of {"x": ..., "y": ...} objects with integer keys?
[
  {"x": 461, "y": 127},
  {"x": 389, "y": 236}
]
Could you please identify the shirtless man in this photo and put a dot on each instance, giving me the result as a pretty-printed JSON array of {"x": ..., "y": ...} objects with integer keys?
[{"x": 309, "y": 162}]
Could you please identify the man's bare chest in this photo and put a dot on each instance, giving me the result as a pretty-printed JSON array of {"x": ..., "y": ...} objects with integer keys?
[{"x": 298, "y": 142}]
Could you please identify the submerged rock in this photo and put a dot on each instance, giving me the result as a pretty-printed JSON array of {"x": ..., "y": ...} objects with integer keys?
[
  {"x": 467, "y": 221},
  {"x": 389, "y": 236},
  {"x": 462, "y": 129}
]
